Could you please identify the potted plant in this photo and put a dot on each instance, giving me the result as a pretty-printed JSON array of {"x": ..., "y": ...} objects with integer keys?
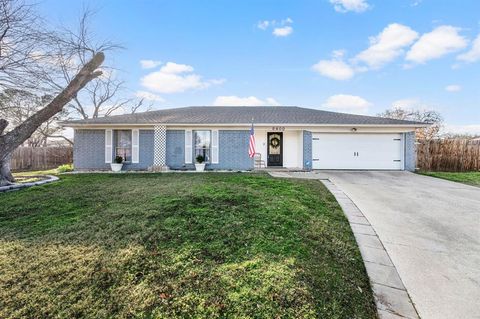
[
  {"x": 200, "y": 163},
  {"x": 117, "y": 164}
]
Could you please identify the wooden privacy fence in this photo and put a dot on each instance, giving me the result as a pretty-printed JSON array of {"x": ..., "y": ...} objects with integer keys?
[
  {"x": 38, "y": 158},
  {"x": 455, "y": 155}
]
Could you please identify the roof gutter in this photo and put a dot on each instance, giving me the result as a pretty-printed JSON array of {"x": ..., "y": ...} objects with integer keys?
[{"x": 67, "y": 124}]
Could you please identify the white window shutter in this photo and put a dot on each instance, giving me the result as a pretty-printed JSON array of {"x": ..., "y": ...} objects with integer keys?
[
  {"x": 188, "y": 146},
  {"x": 215, "y": 146},
  {"x": 135, "y": 146},
  {"x": 108, "y": 146}
]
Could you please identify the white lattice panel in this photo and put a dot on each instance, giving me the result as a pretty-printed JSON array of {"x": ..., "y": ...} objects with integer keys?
[{"x": 160, "y": 145}]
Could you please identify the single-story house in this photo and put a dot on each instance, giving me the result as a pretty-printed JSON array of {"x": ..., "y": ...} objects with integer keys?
[{"x": 290, "y": 137}]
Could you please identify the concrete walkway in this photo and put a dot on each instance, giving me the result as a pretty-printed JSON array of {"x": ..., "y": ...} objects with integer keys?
[
  {"x": 431, "y": 231},
  {"x": 391, "y": 297}
]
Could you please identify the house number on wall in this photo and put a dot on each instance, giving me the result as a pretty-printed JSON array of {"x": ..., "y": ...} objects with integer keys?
[{"x": 278, "y": 128}]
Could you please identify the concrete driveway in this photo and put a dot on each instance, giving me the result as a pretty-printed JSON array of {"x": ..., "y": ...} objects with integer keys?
[{"x": 431, "y": 230}]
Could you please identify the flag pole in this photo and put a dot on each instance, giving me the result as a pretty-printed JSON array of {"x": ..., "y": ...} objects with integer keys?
[{"x": 251, "y": 142}]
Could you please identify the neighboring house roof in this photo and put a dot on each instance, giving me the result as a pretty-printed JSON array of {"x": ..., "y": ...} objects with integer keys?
[{"x": 242, "y": 115}]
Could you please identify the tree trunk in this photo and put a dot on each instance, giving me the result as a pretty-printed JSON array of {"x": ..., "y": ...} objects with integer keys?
[
  {"x": 6, "y": 177},
  {"x": 10, "y": 141}
]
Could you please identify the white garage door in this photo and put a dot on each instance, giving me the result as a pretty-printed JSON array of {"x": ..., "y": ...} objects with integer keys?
[{"x": 357, "y": 151}]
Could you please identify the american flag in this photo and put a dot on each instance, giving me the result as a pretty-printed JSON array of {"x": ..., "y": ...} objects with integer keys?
[{"x": 251, "y": 145}]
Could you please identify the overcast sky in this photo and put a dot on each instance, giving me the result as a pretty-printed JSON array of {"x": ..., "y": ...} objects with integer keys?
[{"x": 358, "y": 56}]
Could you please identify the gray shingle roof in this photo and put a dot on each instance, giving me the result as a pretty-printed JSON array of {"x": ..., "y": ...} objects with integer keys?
[{"x": 242, "y": 115}]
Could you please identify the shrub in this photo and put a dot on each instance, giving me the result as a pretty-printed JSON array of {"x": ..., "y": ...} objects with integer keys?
[
  {"x": 65, "y": 168},
  {"x": 200, "y": 159},
  {"x": 118, "y": 159}
]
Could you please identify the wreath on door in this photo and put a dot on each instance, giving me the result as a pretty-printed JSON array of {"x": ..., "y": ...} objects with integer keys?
[{"x": 275, "y": 142}]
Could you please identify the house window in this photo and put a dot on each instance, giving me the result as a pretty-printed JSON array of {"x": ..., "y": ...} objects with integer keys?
[
  {"x": 202, "y": 142},
  {"x": 123, "y": 146}
]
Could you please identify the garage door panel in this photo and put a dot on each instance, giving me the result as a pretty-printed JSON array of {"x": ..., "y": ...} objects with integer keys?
[{"x": 357, "y": 151}]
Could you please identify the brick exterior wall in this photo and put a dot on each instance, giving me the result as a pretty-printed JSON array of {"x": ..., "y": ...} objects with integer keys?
[
  {"x": 89, "y": 151},
  {"x": 176, "y": 149},
  {"x": 145, "y": 152},
  {"x": 232, "y": 152},
  {"x": 307, "y": 150},
  {"x": 410, "y": 152}
]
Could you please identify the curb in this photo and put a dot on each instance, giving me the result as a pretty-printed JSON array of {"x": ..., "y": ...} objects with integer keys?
[
  {"x": 16, "y": 187},
  {"x": 391, "y": 297}
]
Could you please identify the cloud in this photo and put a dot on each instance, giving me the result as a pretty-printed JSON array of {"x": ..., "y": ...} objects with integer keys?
[
  {"x": 283, "y": 31},
  {"x": 149, "y": 64},
  {"x": 174, "y": 68},
  {"x": 473, "y": 129},
  {"x": 473, "y": 54},
  {"x": 149, "y": 96},
  {"x": 412, "y": 104},
  {"x": 435, "y": 44},
  {"x": 350, "y": 5},
  {"x": 263, "y": 24},
  {"x": 384, "y": 48},
  {"x": 390, "y": 43},
  {"x": 387, "y": 45},
  {"x": 335, "y": 68},
  {"x": 347, "y": 103},
  {"x": 406, "y": 103},
  {"x": 281, "y": 28},
  {"x": 233, "y": 100},
  {"x": 453, "y": 88},
  {"x": 174, "y": 78}
]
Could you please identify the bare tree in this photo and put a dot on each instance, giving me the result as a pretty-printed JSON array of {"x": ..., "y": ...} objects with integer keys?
[
  {"x": 103, "y": 96},
  {"x": 18, "y": 105},
  {"x": 29, "y": 57},
  {"x": 431, "y": 117},
  {"x": 17, "y": 32}
]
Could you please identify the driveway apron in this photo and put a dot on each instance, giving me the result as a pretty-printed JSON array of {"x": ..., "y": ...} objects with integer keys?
[{"x": 431, "y": 231}]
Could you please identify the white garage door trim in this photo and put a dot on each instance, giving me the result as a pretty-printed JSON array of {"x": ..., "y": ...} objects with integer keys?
[{"x": 362, "y": 151}]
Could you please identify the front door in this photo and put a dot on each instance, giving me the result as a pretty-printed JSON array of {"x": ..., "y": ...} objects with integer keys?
[{"x": 274, "y": 149}]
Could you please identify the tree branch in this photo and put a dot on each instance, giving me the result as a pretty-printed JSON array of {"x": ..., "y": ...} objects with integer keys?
[
  {"x": 18, "y": 135},
  {"x": 61, "y": 136}
]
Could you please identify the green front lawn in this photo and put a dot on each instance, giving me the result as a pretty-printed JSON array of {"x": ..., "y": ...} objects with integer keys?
[
  {"x": 470, "y": 178},
  {"x": 213, "y": 245},
  {"x": 32, "y": 176}
]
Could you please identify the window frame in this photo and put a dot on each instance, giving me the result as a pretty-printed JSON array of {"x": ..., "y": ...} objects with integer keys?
[
  {"x": 208, "y": 159},
  {"x": 116, "y": 134}
]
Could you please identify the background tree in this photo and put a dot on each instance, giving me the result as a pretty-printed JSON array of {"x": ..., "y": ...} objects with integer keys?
[
  {"x": 104, "y": 95},
  {"x": 30, "y": 59},
  {"x": 431, "y": 117},
  {"x": 18, "y": 105}
]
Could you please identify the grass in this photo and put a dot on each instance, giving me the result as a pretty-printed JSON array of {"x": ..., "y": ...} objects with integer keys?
[
  {"x": 35, "y": 173},
  {"x": 32, "y": 176},
  {"x": 470, "y": 178},
  {"x": 207, "y": 245}
]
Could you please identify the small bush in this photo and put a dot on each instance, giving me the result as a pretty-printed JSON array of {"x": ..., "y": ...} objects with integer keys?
[
  {"x": 118, "y": 159},
  {"x": 65, "y": 168},
  {"x": 200, "y": 159}
]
